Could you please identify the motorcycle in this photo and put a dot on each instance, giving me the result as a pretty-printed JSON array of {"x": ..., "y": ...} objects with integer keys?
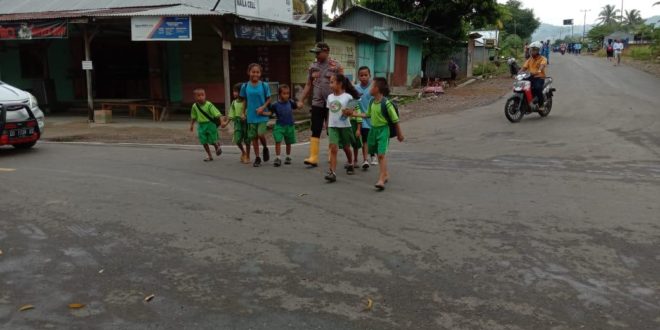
[{"x": 523, "y": 102}]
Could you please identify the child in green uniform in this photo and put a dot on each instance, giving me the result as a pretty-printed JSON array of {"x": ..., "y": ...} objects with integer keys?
[
  {"x": 237, "y": 116},
  {"x": 204, "y": 113},
  {"x": 379, "y": 136},
  {"x": 285, "y": 128}
]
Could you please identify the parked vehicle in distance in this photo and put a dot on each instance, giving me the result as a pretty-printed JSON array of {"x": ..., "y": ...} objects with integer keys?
[{"x": 21, "y": 120}]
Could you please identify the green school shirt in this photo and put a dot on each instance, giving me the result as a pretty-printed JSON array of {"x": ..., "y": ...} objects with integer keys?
[
  {"x": 210, "y": 110},
  {"x": 236, "y": 109},
  {"x": 376, "y": 115}
]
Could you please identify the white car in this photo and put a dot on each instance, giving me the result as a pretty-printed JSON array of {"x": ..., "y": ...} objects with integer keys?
[{"x": 21, "y": 120}]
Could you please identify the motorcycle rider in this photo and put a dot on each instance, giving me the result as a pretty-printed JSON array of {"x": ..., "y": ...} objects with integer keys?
[{"x": 535, "y": 65}]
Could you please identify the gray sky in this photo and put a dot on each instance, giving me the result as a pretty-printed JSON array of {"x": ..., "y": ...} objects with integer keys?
[{"x": 555, "y": 11}]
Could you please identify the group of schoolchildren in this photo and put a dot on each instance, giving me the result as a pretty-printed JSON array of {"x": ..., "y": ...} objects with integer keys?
[{"x": 357, "y": 115}]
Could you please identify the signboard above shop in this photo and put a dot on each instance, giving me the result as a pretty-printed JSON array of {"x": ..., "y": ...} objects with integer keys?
[
  {"x": 54, "y": 29},
  {"x": 168, "y": 28},
  {"x": 279, "y": 10},
  {"x": 262, "y": 32}
]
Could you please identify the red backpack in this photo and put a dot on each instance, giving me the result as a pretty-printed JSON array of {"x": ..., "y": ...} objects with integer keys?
[{"x": 610, "y": 48}]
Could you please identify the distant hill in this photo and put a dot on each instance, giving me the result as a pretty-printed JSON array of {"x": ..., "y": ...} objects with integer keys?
[{"x": 552, "y": 32}]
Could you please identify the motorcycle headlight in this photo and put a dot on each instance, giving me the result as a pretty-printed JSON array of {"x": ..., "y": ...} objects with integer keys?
[{"x": 33, "y": 103}]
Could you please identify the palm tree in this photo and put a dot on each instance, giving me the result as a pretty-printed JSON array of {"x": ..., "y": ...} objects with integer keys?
[
  {"x": 608, "y": 15},
  {"x": 633, "y": 17},
  {"x": 300, "y": 7},
  {"x": 341, "y": 5}
]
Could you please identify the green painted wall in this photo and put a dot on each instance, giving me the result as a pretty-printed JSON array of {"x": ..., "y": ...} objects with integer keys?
[
  {"x": 366, "y": 55},
  {"x": 175, "y": 83},
  {"x": 381, "y": 61},
  {"x": 59, "y": 65}
]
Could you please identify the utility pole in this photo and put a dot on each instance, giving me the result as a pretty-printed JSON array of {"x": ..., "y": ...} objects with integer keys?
[
  {"x": 584, "y": 26},
  {"x": 621, "y": 11},
  {"x": 319, "y": 20}
]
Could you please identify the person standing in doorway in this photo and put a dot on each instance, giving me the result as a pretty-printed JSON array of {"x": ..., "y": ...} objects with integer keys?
[
  {"x": 318, "y": 84},
  {"x": 618, "y": 50}
]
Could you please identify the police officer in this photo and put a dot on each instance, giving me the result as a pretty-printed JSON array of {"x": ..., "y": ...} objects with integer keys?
[{"x": 318, "y": 83}]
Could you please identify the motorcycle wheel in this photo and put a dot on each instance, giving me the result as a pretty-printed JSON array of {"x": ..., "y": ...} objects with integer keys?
[
  {"x": 512, "y": 110},
  {"x": 548, "y": 106}
]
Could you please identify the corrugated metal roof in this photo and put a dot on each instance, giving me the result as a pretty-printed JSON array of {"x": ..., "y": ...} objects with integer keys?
[
  {"x": 177, "y": 10},
  {"x": 43, "y": 6},
  {"x": 397, "y": 23}
]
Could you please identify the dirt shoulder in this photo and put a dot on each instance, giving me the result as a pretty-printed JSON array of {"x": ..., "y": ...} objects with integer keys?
[{"x": 76, "y": 129}]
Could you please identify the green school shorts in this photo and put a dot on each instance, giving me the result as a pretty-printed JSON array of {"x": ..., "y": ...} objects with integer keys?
[
  {"x": 257, "y": 130},
  {"x": 207, "y": 133},
  {"x": 341, "y": 136},
  {"x": 240, "y": 132},
  {"x": 379, "y": 140},
  {"x": 357, "y": 142},
  {"x": 285, "y": 133}
]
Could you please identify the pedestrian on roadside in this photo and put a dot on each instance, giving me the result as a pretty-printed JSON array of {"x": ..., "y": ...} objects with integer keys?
[
  {"x": 318, "y": 84},
  {"x": 453, "y": 71},
  {"x": 382, "y": 112},
  {"x": 610, "y": 51},
  {"x": 547, "y": 50},
  {"x": 257, "y": 96},
  {"x": 341, "y": 133},
  {"x": 208, "y": 119},
  {"x": 363, "y": 87},
  {"x": 237, "y": 117},
  {"x": 618, "y": 50},
  {"x": 285, "y": 127}
]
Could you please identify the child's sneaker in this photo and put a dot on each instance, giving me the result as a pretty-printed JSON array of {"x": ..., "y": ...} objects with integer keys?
[
  {"x": 219, "y": 151},
  {"x": 257, "y": 162},
  {"x": 245, "y": 159},
  {"x": 374, "y": 160},
  {"x": 350, "y": 170},
  {"x": 365, "y": 165},
  {"x": 331, "y": 177},
  {"x": 266, "y": 154},
  {"x": 287, "y": 161},
  {"x": 277, "y": 162}
]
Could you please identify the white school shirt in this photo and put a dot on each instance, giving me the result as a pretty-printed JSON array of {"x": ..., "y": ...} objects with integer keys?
[
  {"x": 335, "y": 106},
  {"x": 618, "y": 46}
]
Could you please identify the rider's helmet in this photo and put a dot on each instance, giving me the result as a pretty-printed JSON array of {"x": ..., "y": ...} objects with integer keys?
[{"x": 536, "y": 44}]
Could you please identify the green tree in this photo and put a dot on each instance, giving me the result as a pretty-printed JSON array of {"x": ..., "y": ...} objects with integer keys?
[
  {"x": 520, "y": 21},
  {"x": 633, "y": 19},
  {"x": 453, "y": 19},
  {"x": 599, "y": 32},
  {"x": 300, "y": 7},
  {"x": 608, "y": 15},
  {"x": 512, "y": 45},
  {"x": 341, "y": 5}
]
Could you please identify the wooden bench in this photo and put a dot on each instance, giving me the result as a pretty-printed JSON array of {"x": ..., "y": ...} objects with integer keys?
[{"x": 155, "y": 109}]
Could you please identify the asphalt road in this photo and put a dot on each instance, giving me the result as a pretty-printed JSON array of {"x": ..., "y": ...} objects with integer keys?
[{"x": 547, "y": 224}]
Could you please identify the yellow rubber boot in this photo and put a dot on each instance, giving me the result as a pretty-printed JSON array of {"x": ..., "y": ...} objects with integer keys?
[{"x": 313, "y": 160}]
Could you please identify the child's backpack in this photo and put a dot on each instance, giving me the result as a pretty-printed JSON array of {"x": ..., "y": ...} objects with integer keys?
[{"x": 386, "y": 114}]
